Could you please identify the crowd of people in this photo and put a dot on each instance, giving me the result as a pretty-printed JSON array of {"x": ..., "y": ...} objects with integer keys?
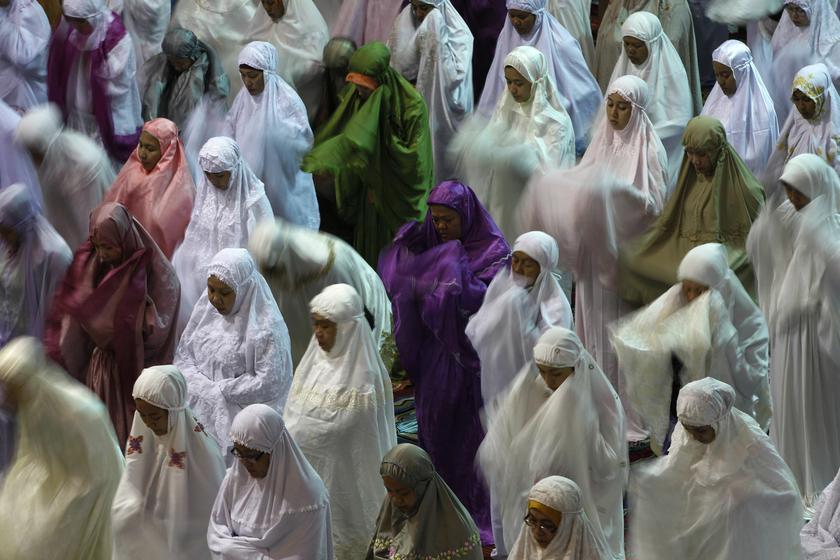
[{"x": 590, "y": 249}]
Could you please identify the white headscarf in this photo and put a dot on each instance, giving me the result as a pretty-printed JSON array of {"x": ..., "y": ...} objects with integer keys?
[
  {"x": 749, "y": 115},
  {"x": 24, "y": 45},
  {"x": 703, "y": 501},
  {"x": 98, "y": 15},
  {"x": 341, "y": 405},
  {"x": 576, "y": 537},
  {"x": 635, "y": 154},
  {"x": 670, "y": 105},
  {"x": 512, "y": 317},
  {"x": 170, "y": 481},
  {"x": 436, "y": 55},
  {"x": 237, "y": 359},
  {"x": 220, "y": 218},
  {"x": 819, "y": 135},
  {"x": 286, "y": 514},
  {"x": 273, "y": 131},
  {"x": 537, "y": 433},
  {"x": 578, "y": 91},
  {"x": 56, "y": 496}
]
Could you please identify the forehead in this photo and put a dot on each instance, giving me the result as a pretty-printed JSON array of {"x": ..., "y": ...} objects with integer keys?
[
  {"x": 633, "y": 41},
  {"x": 249, "y": 71},
  {"x": 720, "y": 66},
  {"x": 440, "y": 211},
  {"x": 617, "y": 98},
  {"x": 395, "y": 485},
  {"x": 317, "y": 318},
  {"x": 519, "y": 13},
  {"x": 217, "y": 283},
  {"x": 538, "y": 515},
  {"x": 148, "y": 139},
  {"x": 146, "y": 407},
  {"x": 523, "y": 256}
]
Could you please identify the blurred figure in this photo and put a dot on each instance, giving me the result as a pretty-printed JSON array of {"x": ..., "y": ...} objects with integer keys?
[
  {"x": 15, "y": 164},
  {"x": 73, "y": 170},
  {"x": 24, "y": 37},
  {"x": 56, "y": 497}
]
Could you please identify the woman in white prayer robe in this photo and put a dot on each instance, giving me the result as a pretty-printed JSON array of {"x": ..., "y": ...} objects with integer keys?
[
  {"x": 24, "y": 37},
  {"x": 677, "y": 25},
  {"x": 575, "y": 17},
  {"x": 146, "y": 21},
  {"x": 341, "y": 405},
  {"x": 74, "y": 171},
  {"x": 298, "y": 263},
  {"x": 821, "y": 536},
  {"x": 529, "y": 132},
  {"x": 813, "y": 126},
  {"x": 229, "y": 203},
  {"x": 33, "y": 261},
  {"x": 722, "y": 492},
  {"x": 556, "y": 525},
  {"x": 649, "y": 54},
  {"x": 272, "y": 504},
  {"x": 742, "y": 103},
  {"x": 808, "y": 32},
  {"x": 530, "y": 24},
  {"x": 172, "y": 475},
  {"x": 710, "y": 323},
  {"x": 523, "y": 301},
  {"x": 15, "y": 163},
  {"x": 56, "y": 497},
  {"x": 565, "y": 420},
  {"x": 235, "y": 349},
  {"x": 794, "y": 245},
  {"x": 432, "y": 47},
  {"x": 268, "y": 121}
]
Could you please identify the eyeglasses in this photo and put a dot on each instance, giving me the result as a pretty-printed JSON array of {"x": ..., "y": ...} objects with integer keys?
[
  {"x": 546, "y": 526},
  {"x": 247, "y": 456}
]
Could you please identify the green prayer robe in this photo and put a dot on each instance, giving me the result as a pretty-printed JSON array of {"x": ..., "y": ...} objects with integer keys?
[
  {"x": 379, "y": 152},
  {"x": 700, "y": 210}
]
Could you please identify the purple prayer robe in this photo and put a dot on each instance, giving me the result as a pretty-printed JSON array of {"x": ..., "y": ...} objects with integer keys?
[{"x": 434, "y": 288}]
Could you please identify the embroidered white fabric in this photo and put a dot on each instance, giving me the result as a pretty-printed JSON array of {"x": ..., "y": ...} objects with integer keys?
[
  {"x": 436, "y": 55},
  {"x": 537, "y": 433},
  {"x": 237, "y": 359},
  {"x": 170, "y": 482},
  {"x": 219, "y": 219},
  {"x": 576, "y": 537},
  {"x": 731, "y": 498},
  {"x": 299, "y": 263},
  {"x": 670, "y": 106},
  {"x": 796, "y": 258},
  {"x": 577, "y": 90},
  {"x": 749, "y": 114},
  {"x": 341, "y": 405},
  {"x": 284, "y": 515},
  {"x": 273, "y": 132},
  {"x": 24, "y": 45},
  {"x": 512, "y": 317}
]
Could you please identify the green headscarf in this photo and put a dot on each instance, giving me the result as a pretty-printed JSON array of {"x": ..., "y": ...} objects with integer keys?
[
  {"x": 720, "y": 209},
  {"x": 379, "y": 151}
]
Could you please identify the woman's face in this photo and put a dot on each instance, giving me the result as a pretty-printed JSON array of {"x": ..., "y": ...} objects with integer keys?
[
  {"x": 797, "y": 199},
  {"x": 221, "y": 296},
  {"x": 526, "y": 267},
  {"x": 543, "y": 529},
  {"x": 522, "y": 21},
  {"x": 148, "y": 151},
  {"x": 702, "y": 162},
  {"x": 107, "y": 252},
  {"x": 180, "y": 63},
  {"x": 420, "y": 10},
  {"x": 220, "y": 180},
  {"x": 255, "y": 462},
  {"x": 447, "y": 222},
  {"x": 636, "y": 50},
  {"x": 806, "y": 106},
  {"x": 156, "y": 418},
  {"x": 725, "y": 78},
  {"x": 402, "y": 497},
  {"x": 619, "y": 111},
  {"x": 363, "y": 92},
  {"x": 703, "y": 434},
  {"x": 554, "y": 376},
  {"x": 797, "y": 15},
  {"x": 325, "y": 331},
  {"x": 275, "y": 9},
  {"x": 517, "y": 85},
  {"x": 253, "y": 79},
  {"x": 691, "y": 290}
]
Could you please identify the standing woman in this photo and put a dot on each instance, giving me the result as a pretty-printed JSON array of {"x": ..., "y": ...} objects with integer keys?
[
  {"x": 115, "y": 312},
  {"x": 24, "y": 38},
  {"x": 341, "y": 406},
  {"x": 436, "y": 273},
  {"x": 432, "y": 47},
  {"x": 155, "y": 185},
  {"x": 272, "y": 503}
]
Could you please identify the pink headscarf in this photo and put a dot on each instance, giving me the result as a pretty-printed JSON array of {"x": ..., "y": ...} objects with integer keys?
[
  {"x": 129, "y": 310},
  {"x": 160, "y": 199}
]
